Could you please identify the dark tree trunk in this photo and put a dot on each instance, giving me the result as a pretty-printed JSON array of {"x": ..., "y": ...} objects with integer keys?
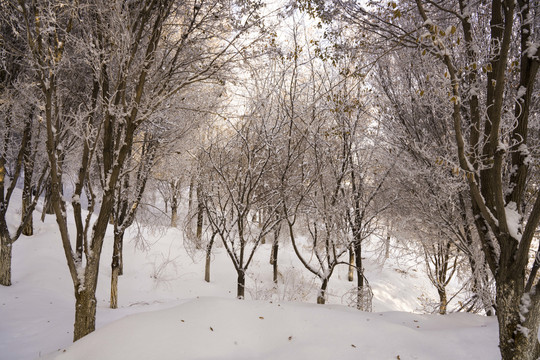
[
  {"x": 359, "y": 275},
  {"x": 274, "y": 260},
  {"x": 241, "y": 284},
  {"x": 28, "y": 227},
  {"x": 200, "y": 214},
  {"x": 321, "y": 297},
  {"x": 85, "y": 313},
  {"x": 28, "y": 163},
  {"x": 209, "y": 258},
  {"x": 517, "y": 338},
  {"x": 6, "y": 248}
]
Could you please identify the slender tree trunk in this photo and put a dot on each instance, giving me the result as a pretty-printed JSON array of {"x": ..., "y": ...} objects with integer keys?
[
  {"x": 209, "y": 257},
  {"x": 321, "y": 297},
  {"x": 387, "y": 246},
  {"x": 350, "y": 275},
  {"x": 274, "y": 260},
  {"x": 174, "y": 211},
  {"x": 114, "y": 288},
  {"x": 116, "y": 268},
  {"x": 241, "y": 284},
  {"x": 85, "y": 313},
  {"x": 48, "y": 208},
  {"x": 200, "y": 214},
  {"x": 6, "y": 248},
  {"x": 359, "y": 275},
  {"x": 28, "y": 227},
  {"x": 121, "y": 255},
  {"x": 28, "y": 164}
]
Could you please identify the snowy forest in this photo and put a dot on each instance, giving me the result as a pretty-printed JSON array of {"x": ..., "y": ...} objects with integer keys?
[{"x": 258, "y": 179}]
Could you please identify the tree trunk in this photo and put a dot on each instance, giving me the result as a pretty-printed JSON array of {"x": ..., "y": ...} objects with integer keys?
[
  {"x": 6, "y": 248},
  {"x": 48, "y": 208},
  {"x": 443, "y": 302},
  {"x": 387, "y": 246},
  {"x": 85, "y": 313},
  {"x": 28, "y": 164},
  {"x": 28, "y": 227},
  {"x": 359, "y": 275},
  {"x": 174, "y": 211},
  {"x": 209, "y": 258},
  {"x": 241, "y": 284},
  {"x": 350, "y": 275},
  {"x": 321, "y": 297},
  {"x": 116, "y": 268},
  {"x": 274, "y": 261},
  {"x": 517, "y": 339},
  {"x": 114, "y": 287},
  {"x": 200, "y": 213}
]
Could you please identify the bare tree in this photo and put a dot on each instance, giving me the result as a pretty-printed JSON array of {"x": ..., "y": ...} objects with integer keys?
[
  {"x": 135, "y": 56},
  {"x": 486, "y": 63},
  {"x": 19, "y": 140}
]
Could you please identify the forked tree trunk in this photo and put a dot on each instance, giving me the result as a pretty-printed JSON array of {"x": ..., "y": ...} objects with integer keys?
[
  {"x": 241, "y": 284},
  {"x": 6, "y": 248},
  {"x": 321, "y": 297},
  {"x": 85, "y": 313}
]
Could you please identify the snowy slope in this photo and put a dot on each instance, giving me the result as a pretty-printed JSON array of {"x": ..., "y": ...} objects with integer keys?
[
  {"x": 217, "y": 328},
  {"x": 165, "y": 284}
]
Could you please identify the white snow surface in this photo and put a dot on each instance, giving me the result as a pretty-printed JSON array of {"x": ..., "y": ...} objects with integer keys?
[{"x": 167, "y": 311}]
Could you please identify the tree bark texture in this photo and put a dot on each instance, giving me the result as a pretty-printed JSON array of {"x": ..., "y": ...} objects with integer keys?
[
  {"x": 518, "y": 317},
  {"x": 443, "y": 300},
  {"x": 28, "y": 227},
  {"x": 114, "y": 287},
  {"x": 85, "y": 313},
  {"x": 6, "y": 249}
]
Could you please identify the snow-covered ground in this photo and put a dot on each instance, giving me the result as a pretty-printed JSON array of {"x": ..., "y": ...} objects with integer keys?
[{"x": 167, "y": 311}]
